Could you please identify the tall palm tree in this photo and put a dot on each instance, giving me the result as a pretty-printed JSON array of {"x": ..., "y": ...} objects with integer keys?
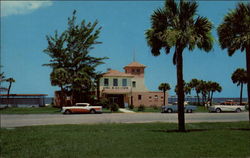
[
  {"x": 10, "y": 80},
  {"x": 194, "y": 85},
  {"x": 234, "y": 33},
  {"x": 239, "y": 77},
  {"x": 178, "y": 26},
  {"x": 164, "y": 87},
  {"x": 215, "y": 87}
]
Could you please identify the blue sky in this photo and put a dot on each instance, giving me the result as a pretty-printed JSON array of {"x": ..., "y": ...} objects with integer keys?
[{"x": 24, "y": 26}]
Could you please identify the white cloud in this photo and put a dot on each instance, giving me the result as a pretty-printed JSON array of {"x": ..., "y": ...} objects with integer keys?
[{"x": 21, "y": 7}]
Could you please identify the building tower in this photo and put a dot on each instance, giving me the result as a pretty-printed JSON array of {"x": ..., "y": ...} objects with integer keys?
[{"x": 137, "y": 70}]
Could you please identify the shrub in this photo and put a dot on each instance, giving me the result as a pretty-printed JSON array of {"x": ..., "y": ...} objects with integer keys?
[
  {"x": 114, "y": 107},
  {"x": 131, "y": 106},
  {"x": 141, "y": 108},
  {"x": 103, "y": 102},
  {"x": 154, "y": 107}
]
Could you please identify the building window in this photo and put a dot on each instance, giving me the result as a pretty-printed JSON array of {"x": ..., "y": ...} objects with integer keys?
[
  {"x": 139, "y": 97},
  {"x": 133, "y": 70},
  {"x": 124, "y": 82},
  {"x": 134, "y": 84},
  {"x": 156, "y": 96},
  {"x": 138, "y": 70},
  {"x": 115, "y": 82},
  {"x": 161, "y": 97},
  {"x": 106, "y": 82},
  {"x": 150, "y": 97}
]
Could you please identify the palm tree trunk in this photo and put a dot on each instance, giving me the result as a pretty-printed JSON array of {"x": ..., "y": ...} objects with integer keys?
[
  {"x": 180, "y": 92},
  {"x": 198, "y": 98},
  {"x": 211, "y": 98},
  {"x": 248, "y": 76},
  {"x": 164, "y": 101},
  {"x": 8, "y": 94},
  {"x": 241, "y": 90}
]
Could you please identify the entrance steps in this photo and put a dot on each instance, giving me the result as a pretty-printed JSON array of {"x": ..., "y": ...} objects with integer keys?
[{"x": 125, "y": 110}]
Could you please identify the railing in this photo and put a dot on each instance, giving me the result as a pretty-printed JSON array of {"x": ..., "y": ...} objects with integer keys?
[{"x": 117, "y": 87}]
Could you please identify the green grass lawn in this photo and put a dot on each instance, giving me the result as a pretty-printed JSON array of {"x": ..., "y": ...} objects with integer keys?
[
  {"x": 38, "y": 110},
  {"x": 147, "y": 109},
  {"x": 149, "y": 140},
  {"x": 31, "y": 110}
]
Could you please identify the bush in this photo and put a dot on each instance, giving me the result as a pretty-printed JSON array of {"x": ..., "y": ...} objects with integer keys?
[
  {"x": 141, "y": 108},
  {"x": 114, "y": 107},
  {"x": 103, "y": 102},
  {"x": 154, "y": 107},
  {"x": 131, "y": 106}
]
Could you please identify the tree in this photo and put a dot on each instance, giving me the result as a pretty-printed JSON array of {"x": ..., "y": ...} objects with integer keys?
[
  {"x": 10, "y": 80},
  {"x": 178, "y": 26},
  {"x": 234, "y": 33},
  {"x": 187, "y": 89},
  {"x": 239, "y": 77},
  {"x": 164, "y": 87},
  {"x": 73, "y": 68},
  {"x": 193, "y": 84},
  {"x": 215, "y": 87},
  {"x": 203, "y": 88}
]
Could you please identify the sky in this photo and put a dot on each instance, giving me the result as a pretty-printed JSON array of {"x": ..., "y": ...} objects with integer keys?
[{"x": 25, "y": 24}]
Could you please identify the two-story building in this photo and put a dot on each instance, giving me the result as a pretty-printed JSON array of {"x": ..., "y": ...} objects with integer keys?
[{"x": 129, "y": 87}]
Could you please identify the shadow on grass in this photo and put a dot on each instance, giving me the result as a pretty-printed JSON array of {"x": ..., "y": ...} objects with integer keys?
[{"x": 200, "y": 130}]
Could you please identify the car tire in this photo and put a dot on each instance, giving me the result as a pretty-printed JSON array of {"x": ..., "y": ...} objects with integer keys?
[
  {"x": 189, "y": 111},
  {"x": 238, "y": 110},
  {"x": 169, "y": 110},
  {"x": 67, "y": 112},
  {"x": 92, "y": 111},
  {"x": 218, "y": 110}
]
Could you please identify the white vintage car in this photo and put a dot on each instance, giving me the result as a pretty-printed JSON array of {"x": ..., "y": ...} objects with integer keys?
[
  {"x": 226, "y": 108},
  {"x": 82, "y": 108}
]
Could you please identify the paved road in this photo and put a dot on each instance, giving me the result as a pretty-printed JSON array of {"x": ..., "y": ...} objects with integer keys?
[{"x": 50, "y": 119}]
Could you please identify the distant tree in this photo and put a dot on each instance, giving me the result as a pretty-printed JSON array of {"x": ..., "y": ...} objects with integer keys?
[
  {"x": 164, "y": 87},
  {"x": 187, "y": 88},
  {"x": 73, "y": 68},
  {"x": 60, "y": 77},
  {"x": 215, "y": 87},
  {"x": 239, "y": 77},
  {"x": 2, "y": 79},
  {"x": 234, "y": 35},
  {"x": 193, "y": 84},
  {"x": 10, "y": 80},
  {"x": 178, "y": 26},
  {"x": 203, "y": 88}
]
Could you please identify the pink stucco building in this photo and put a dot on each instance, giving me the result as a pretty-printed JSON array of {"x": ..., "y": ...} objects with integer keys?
[{"x": 128, "y": 87}]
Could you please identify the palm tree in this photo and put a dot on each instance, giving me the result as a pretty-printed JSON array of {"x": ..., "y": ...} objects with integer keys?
[
  {"x": 193, "y": 84},
  {"x": 177, "y": 25},
  {"x": 234, "y": 33},
  {"x": 239, "y": 77},
  {"x": 187, "y": 89},
  {"x": 215, "y": 87},
  {"x": 164, "y": 87},
  {"x": 203, "y": 88},
  {"x": 10, "y": 80}
]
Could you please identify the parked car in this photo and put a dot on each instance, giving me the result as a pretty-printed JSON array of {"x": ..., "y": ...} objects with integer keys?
[
  {"x": 229, "y": 102},
  {"x": 82, "y": 108},
  {"x": 174, "y": 108},
  {"x": 226, "y": 108}
]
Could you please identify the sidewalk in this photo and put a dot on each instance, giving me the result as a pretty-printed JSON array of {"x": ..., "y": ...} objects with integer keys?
[{"x": 125, "y": 110}]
